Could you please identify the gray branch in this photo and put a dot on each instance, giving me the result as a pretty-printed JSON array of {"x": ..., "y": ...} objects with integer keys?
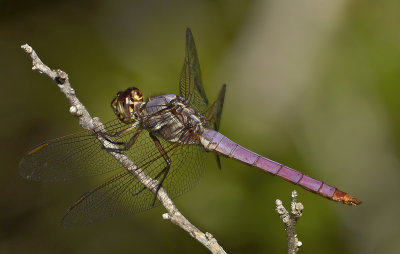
[
  {"x": 290, "y": 219},
  {"x": 87, "y": 122}
]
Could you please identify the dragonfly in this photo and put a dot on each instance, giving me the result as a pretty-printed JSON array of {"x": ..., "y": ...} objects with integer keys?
[{"x": 167, "y": 136}]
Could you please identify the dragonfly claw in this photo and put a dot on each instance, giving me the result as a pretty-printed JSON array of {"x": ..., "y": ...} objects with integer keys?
[{"x": 114, "y": 150}]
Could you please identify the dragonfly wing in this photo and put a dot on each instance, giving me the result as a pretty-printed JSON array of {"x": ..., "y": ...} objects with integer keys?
[
  {"x": 124, "y": 194},
  {"x": 190, "y": 84},
  {"x": 214, "y": 114},
  {"x": 69, "y": 157}
]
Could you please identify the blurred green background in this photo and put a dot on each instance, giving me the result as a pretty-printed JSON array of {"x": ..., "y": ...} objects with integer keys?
[{"x": 311, "y": 84}]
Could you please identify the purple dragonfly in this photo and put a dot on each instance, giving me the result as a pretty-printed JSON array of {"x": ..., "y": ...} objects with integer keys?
[{"x": 166, "y": 137}]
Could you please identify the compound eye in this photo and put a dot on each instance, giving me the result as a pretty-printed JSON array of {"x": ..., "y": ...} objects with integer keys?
[
  {"x": 136, "y": 96},
  {"x": 124, "y": 104},
  {"x": 114, "y": 102}
]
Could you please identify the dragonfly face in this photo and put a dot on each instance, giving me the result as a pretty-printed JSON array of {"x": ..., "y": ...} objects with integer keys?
[{"x": 125, "y": 103}]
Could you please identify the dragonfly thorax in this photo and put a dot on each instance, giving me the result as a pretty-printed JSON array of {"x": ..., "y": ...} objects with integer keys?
[
  {"x": 125, "y": 104},
  {"x": 172, "y": 118}
]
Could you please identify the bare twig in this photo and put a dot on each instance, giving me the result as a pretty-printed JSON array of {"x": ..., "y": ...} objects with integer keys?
[
  {"x": 87, "y": 122},
  {"x": 290, "y": 219}
]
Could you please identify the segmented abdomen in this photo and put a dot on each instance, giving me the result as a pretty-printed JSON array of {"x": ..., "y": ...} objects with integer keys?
[{"x": 215, "y": 141}]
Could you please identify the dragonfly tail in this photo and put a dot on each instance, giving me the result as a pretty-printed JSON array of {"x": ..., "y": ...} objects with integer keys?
[{"x": 215, "y": 141}]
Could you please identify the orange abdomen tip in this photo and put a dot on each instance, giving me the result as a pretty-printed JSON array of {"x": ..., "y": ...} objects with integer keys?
[{"x": 345, "y": 198}]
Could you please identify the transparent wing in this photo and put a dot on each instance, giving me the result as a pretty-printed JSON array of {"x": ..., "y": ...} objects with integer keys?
[
  {"x": 80, "y": 154},
  {"x": 69, "y": 157},
  {"x": 190, "y": 84},
  {"x": 214, "y": 113},
  {"x": 123, "y": 194}
]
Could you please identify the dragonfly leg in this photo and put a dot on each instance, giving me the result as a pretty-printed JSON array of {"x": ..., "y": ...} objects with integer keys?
[
  {"x": 106, "y": 135},
  {"x": 144, "y": 188},
  {"x": 126, "y": 145},
  {"x": 165, "y": 170},
  {"x": 123, "y": 132}
]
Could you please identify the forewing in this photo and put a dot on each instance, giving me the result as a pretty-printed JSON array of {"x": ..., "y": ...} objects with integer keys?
[
  {"x": 190, "y": 85},
  {"x": 124, "y": 194},
  {"x": 69, "y": 157}
]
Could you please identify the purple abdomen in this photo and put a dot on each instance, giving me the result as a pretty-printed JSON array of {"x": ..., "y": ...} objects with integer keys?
[{"x": 215, "y": 141}]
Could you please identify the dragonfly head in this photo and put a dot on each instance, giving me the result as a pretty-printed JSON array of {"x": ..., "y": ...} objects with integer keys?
[{"x": 124, "y": 104}]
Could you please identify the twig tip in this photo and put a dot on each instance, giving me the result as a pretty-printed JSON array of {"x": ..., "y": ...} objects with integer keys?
[{"x": 27, "y": 48}]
